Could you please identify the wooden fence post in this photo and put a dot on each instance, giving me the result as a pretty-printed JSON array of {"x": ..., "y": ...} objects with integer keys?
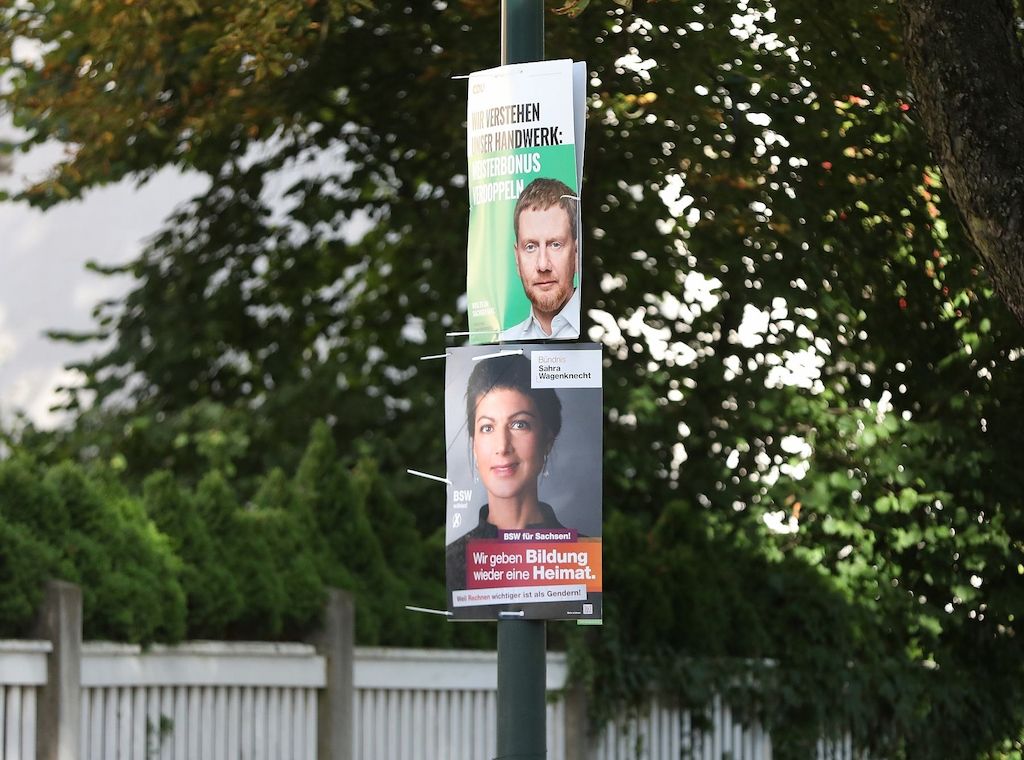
[
  {"x": 336, "y": 643},
  {"x": 577, "y": 728},
  {"x": 58, "y": 717}
]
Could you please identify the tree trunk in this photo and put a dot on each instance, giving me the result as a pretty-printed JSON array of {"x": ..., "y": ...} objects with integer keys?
[{"x": 967, "y": 73}]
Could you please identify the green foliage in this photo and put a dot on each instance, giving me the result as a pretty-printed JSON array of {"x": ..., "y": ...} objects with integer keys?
[
  {"x": 125, "y": 566},
  {"x": 813, "y": 397},
  {"x": 352, "y": 550},
  {"x": 25, "y": 565},
  {"x": 214, "y": 599},
  {"x": 83, "y": 527},
  {"x": 198, "y": 562},
  {"x": 36, "y": 505}
]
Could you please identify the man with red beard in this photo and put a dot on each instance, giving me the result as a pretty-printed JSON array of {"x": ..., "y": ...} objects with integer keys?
[{"x": 545, "y": 221}]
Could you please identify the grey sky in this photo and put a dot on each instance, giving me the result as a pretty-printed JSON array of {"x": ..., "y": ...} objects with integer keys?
[{"x": 43, "y": 281}]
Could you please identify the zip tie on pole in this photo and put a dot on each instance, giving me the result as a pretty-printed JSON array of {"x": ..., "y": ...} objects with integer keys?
[
  {"x": 429, "y": 611},
  {"x": 474, "y": 332},
  {"x": 503, "y": 352},
  {"x": 512, "y": 613},
  {"x": 573, "y": 197},
  {"x": 429, "y": 476},
  {"x": 435, "y": 356}
]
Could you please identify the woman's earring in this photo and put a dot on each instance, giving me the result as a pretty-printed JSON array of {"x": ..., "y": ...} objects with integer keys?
[{"x": 546, "y": 471}]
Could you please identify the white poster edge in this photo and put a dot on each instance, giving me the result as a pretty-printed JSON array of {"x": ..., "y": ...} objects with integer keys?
[{"x": 579, "y": 117}]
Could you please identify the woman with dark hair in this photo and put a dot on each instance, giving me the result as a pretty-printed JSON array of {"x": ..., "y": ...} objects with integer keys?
[{"x": 512, "y": 427}]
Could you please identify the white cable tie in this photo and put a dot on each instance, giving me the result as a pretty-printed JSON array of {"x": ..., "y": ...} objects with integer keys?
[
  {"x": 474, "y": 332},
  {"x": 435, "y": 356},
  {"x": 429, "y": 476},
  {"x": 429, "y": 611},
  {"x": 572, "y": 197},
  {"x": 512, "y": 613},
  {"x": 504, "y": 352}
]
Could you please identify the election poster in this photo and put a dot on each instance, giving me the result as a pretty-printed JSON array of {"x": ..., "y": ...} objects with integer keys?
[
  {"x": 523, "y": 427},
  {"x": 525, "y": 126}
]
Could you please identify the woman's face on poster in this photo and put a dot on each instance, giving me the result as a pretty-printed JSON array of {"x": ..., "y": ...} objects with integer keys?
[{"x": 510, "y": 442}]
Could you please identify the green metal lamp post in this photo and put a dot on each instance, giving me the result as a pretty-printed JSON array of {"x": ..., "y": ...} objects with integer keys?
[
  {"x": 522, "y": 644},
  {"x": 522, "y": 31}
]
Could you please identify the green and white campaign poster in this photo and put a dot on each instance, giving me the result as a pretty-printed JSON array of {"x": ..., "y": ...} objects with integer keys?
[{"x": 525, "y": 148}]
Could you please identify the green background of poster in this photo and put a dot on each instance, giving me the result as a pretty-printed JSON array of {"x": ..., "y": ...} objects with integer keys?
[{"x": 492, "y": 270}]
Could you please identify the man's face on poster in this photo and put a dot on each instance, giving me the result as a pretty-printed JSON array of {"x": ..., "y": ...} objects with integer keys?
[{"x": 546, "y": 258}]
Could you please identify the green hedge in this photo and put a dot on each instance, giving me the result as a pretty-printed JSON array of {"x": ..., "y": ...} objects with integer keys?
[{"x": 172, "y": 561}]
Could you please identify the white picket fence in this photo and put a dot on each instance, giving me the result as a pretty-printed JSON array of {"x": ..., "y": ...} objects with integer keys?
[
  {"x": 246, "y": 701},
  {"x": 200, "y": 701},
  {"x": 416, "y": 704},
  {"x": 22, "y": 673},
  {"x": 431, "y": 705},
  {"x": 663, "y": 731}
]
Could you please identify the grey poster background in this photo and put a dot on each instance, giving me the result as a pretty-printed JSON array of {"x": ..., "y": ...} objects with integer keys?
[{"x": 573, "y": 485}]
